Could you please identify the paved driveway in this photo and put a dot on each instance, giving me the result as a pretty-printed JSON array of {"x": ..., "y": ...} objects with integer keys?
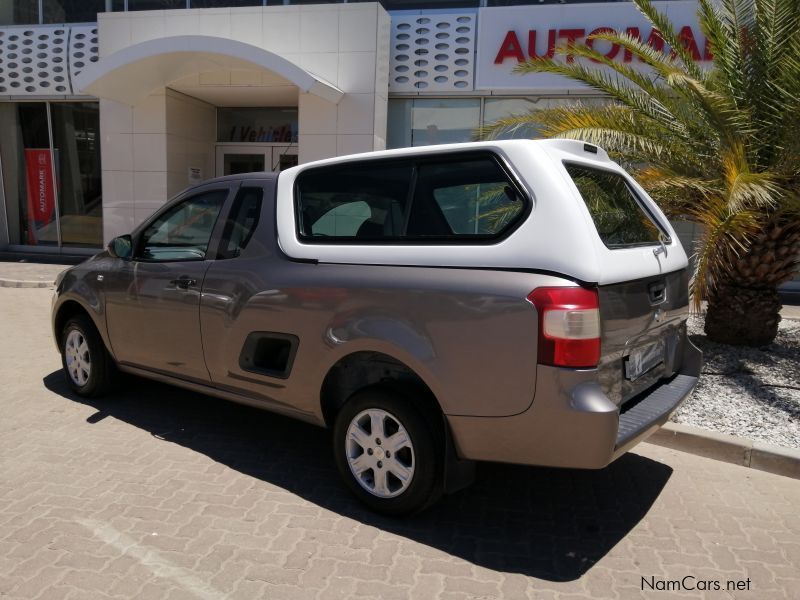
[{"x": 162, "y": 493}]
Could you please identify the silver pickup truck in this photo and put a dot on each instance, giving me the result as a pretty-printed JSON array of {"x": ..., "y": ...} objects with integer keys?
[{"x": 513, "y": 301}]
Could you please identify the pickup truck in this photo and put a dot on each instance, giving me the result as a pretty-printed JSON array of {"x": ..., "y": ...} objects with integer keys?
[{"x": 513, "y": 301}]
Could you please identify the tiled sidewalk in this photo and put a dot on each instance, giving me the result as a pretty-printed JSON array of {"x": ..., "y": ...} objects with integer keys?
[{"x": 28, "y": 274}]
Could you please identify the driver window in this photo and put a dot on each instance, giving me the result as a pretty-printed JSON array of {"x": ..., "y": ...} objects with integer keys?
[{"x": 183, "y": 232}]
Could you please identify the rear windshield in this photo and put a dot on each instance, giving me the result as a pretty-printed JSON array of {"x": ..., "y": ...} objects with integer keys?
[{"x": 618, "y": 217}]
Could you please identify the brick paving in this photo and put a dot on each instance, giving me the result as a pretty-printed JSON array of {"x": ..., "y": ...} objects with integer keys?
[{"x": 162, "y": 493}]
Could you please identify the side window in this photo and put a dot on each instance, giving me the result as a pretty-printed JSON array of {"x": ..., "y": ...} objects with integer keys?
[
  {"x": 241, "y": 222},
  {"x": 343, "y": 220},
  {"x": 468, "y": 198},
  {"x": 353, "y": 202},
  {"x": 183, "y": 232},
  {"x": 460, "y": 197}
]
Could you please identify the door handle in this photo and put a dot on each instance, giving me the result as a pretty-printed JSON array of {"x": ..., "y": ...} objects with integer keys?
[{"x": 184, "y": 283}]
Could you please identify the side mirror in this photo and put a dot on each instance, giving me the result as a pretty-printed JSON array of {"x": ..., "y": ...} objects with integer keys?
[{"x": 121, "y": 247}]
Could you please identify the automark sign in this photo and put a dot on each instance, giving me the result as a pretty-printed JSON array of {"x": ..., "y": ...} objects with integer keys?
[{"x": 508, "y": 36}]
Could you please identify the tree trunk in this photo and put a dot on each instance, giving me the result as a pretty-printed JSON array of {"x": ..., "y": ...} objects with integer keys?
[
  {"x": 743, "y": 316},
  {"x": 744, "y": 308}
]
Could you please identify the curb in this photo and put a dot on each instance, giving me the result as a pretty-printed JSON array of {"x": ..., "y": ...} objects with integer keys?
[
  {"x": 20, "y": 283},
  {"x": 728, "y": 448}
]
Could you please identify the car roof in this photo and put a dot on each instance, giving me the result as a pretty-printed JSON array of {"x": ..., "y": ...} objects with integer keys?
[
  {"x": 256, "y": 175},
  {"x": 569, "y": 146},
  {"x": 566, "y": 145}
]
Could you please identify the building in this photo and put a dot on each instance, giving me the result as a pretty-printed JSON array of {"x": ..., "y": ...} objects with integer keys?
[{"x": 110, "y": 107}]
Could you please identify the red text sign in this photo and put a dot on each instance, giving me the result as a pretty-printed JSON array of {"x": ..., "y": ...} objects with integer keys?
[
  {"x": 513, "y": 48},
  {"x": 41, "y": 193}
]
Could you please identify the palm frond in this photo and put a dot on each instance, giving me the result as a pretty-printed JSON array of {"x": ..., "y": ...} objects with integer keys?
[
  {"x": 662, "y": 64},
  {"x": 729, "y": 122},
  {"x": 676, "y": 189},
  {"x": 612, "y": 85},
  {"x": 667, "y": 32},
  {"x": 751, "y": 191}
]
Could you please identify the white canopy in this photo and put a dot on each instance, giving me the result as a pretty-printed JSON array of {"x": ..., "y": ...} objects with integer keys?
[{"x": 131, "y": 74}]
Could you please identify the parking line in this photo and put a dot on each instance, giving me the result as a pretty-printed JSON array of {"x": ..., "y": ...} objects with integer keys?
[{"x": 152, "y": 560}]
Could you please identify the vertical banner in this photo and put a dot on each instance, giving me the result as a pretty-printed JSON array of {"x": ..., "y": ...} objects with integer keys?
[{"x": 41, "y": 191}]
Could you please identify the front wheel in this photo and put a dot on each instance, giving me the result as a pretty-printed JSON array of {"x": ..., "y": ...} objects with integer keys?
[
  {"x": 88, "y": 367},
  {"x": 386, "y": 451}
]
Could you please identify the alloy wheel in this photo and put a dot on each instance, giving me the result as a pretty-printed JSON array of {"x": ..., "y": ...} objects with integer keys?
[
  {"x": 380, "y": 453},
  {"x": 77, "y": 357}
]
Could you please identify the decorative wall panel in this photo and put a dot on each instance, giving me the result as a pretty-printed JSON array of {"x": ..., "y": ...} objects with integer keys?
[
  {"x": 432, "y": 52},
  {"x": 83, "y": 49},
  {"x": 40, "y": 60}
]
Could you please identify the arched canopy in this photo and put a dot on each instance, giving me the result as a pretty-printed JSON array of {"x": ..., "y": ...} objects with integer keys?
[{"x": 131, "y": 74}]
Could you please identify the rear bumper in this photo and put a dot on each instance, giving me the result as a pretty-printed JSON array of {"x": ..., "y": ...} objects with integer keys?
[{"x": 572, "y": 423}]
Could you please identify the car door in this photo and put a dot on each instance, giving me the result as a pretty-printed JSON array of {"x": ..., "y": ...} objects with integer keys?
[
  {"x": 237, "y": 278},
  {"x": 153, "y": 299}
]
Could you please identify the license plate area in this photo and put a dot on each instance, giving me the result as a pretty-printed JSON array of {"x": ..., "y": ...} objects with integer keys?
[{"x": 641, "y": 360}]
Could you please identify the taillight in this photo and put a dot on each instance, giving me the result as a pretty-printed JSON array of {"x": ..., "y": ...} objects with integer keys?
[{"x": 569, "y": 326}]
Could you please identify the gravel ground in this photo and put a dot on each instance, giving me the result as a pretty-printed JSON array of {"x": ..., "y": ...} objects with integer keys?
[{"x": 749, "y": 392}]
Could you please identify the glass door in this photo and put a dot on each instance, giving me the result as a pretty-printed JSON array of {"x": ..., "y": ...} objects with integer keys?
[
  {"x": 233, "y": 159},
  {"x": 284, "y": 157},
  {"x": 245, "y": 158}
]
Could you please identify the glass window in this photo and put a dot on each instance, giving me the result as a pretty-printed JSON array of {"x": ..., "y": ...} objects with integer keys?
[
  {"x": 235, "y": 163},
  {"x": 241, "y": 222},
  {"x": 501, "y": 108},
  {"x": 28, "y": 174},
  {"x": 467, "y": 198},
  {"x": 495, "y": 109},
  {"x": 19, "y": 12},
  {"x": 224, "y": 3},
  {"x": 76, "y": 138},
  {"x": 427, "y": 4},
  {"x": 398, "y": 123},
  {"x": 183, "y": 232},
  {"x": 242, "y": 125},
  {"x": 444, "y": 121},
  {"x": 286, "y": 161},
  {"x": 418, "y": 122},
  {"x": 528, "y": 2},
  {"x": 619, "y": 219},
  {"x": 353, "y": 201},
  {"x": 32, "y": 190},
  {"x": 427, "y": 121},
  {"x": 72, "y": 11},
  {"x": 155, "y": 4},
  {"x": 343, "y": 220}
]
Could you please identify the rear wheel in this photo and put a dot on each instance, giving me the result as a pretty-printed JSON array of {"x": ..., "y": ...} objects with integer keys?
[
  {"x": 88, "y": 368},
  {"x": 387, "y": 452}
]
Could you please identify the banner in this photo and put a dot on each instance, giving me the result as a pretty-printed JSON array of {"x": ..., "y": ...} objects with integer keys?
[{"x": 41, "y": 191}]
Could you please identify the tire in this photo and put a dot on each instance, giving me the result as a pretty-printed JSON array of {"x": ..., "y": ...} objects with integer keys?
[
  {"x": 88, "y": 367},
  {"x": 387, "y": 483}
]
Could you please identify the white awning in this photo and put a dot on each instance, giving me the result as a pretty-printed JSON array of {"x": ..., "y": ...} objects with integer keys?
[{"x": 131, "y": 74}]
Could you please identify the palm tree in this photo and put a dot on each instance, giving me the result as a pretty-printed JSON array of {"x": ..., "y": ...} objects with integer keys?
[{"x": 719, "y": 147}]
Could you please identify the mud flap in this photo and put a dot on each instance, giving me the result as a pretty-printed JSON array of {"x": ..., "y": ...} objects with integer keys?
[{"x": 458, "y": 473}]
